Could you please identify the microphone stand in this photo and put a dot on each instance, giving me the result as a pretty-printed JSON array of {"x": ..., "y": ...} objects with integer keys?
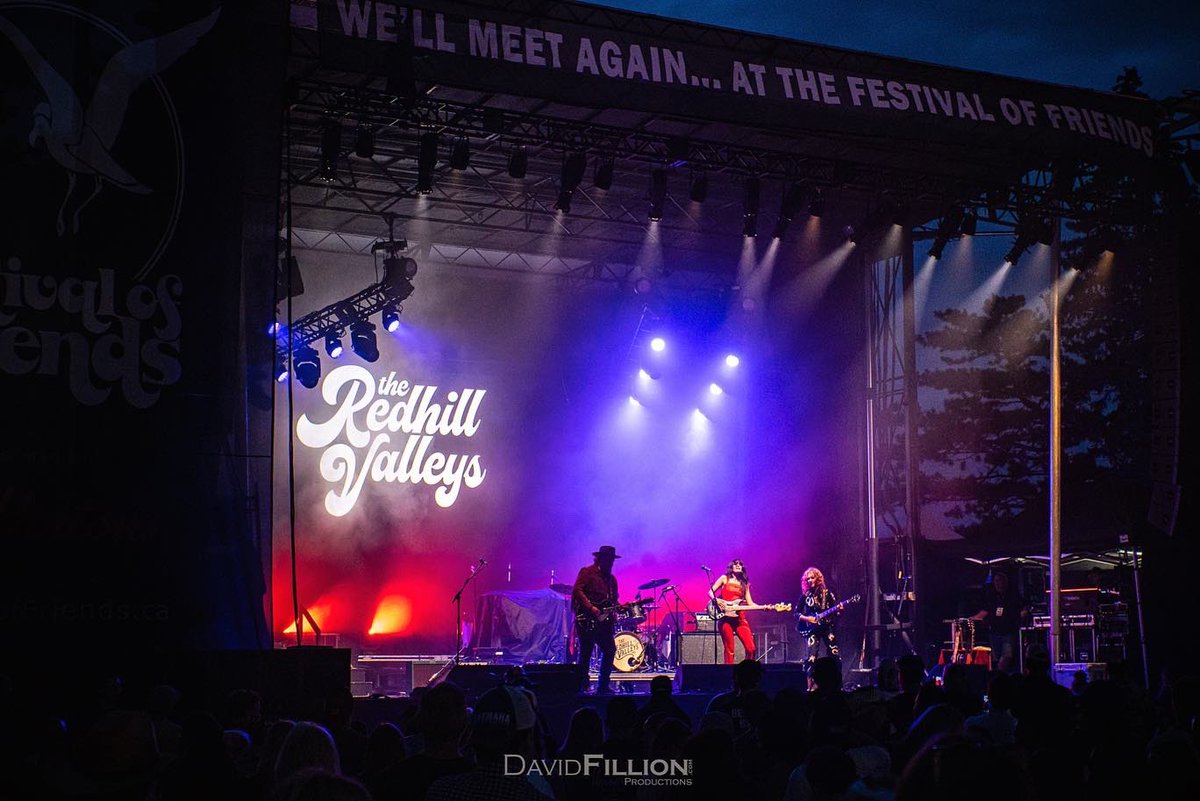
[
  {"x": 676, "y": 651},
  {"x": 713, "y": 606},
  {"x": 457, "y": 600}
]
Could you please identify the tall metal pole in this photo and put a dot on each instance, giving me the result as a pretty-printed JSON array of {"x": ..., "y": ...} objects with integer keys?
[
  {"x": 1055, "y": 453},
  {"x": 873, "y": 594},
  {"x": 912, "y": 414}
]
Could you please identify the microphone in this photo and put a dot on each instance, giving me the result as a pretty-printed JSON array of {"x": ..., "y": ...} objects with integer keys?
[
  {"x": 482, "y": 562},
  {"x": 705, "y": 568},
  {"x": 510, "y": 572}
]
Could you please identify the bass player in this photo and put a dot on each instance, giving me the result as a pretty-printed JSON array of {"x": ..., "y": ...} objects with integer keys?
[{"x": 728, "y": 590}]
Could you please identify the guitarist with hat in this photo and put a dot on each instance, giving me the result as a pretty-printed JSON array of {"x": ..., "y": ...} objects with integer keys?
[
  {"x": 817, "y": 598},
  {"x": 593, "y": 598}
]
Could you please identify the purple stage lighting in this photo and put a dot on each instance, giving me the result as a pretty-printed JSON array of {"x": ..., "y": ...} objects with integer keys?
[
  {"x": 715, "y": 389},
  {"x": 658, "y": 344},
  {"x": 273, "y": 328},
  {"x": 643, "y": 375},
  {"x": 634, "y": 401},
  {"x": 732, "y": 360}
]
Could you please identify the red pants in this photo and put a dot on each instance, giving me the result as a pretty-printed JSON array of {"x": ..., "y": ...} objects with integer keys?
[{"x": 742, "y": 628}]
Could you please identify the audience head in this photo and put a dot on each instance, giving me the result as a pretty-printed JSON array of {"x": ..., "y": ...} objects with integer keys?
[
  {"x": 441, "y": 714},
  {"x": 827, "y": 673},
  {"x": 307, "y": 745},
  {"x": 912, "y": 672},
  {"x": 503, "y": 722},
  {"x": 746, "y": 675}
]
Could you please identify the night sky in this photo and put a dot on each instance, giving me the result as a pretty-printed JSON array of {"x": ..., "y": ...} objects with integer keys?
[{"x": 1048, "y": 41}]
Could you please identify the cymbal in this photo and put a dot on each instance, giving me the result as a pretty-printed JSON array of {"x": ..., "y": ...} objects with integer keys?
[
  {"x": 649, "y": 585},
  {"x": 565, "y": 589}
]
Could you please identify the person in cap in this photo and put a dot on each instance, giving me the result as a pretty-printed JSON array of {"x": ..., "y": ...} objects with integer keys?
[
  {"x": 595, "y": 594},
  {"x": 503, "y": 728}
]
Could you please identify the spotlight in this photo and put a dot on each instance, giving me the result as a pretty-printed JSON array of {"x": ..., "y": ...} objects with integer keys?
[
  {"x": 658, "y": 194},
  {"x": 698, "y": 190},
  {"x": 970, "y": 223},
  {"x": 331, "y": 143},
  {"x": 364, "y": 141},
  {"x": 750, "y": 202},
  {"x": 947, "y": 227},
  {"x": 603, "y": 177},
  {"x": 658, "y": 344},
  {"x": 751, "y": 196},
  {"x": 572, "y": 173},
  {"x": 333, "y": 343},
  {"x": 308, "y": 366},
  {"x": 273, "y": 328},
  {"x": 281, "y": 367},
  {"x": 1021, "y": 243},
  {"x": 362, "y": 340},
  {"x": 643, "y": 286},
  {"x": 518, "y": 162},
  {"x": 643, "y": 375},
  {"x": 793, "y": 199},
  {"x": 634, "y": 401},
  {"x": 427, "y": 149},
  {"x": 391, "y": 319},
  {"x": 816, "y": 206},
  {"x": 399, "y": 268},
  {"x": 715, "y": 389},
  {"x": 732, "y": 360},
  {"x": 848, "y": 233},
  {"x": 460, "y": 154}
]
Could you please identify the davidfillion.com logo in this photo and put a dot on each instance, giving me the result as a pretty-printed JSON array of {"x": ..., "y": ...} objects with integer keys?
[{"x": 632, "y": 772}]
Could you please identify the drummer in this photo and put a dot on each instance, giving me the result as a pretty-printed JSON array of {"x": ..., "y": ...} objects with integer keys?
[{"x": 729, "y": 590}]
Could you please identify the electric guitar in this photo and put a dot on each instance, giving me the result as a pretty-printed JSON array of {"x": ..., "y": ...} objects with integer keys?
[
  {"x": 731, "y": 608},
  {"x": 806, "y": 628},
  {"x": 586, "y": 621}
]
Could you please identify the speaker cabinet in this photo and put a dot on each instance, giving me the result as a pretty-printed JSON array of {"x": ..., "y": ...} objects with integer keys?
[
  {"x": 707, "y": 649},
  {"x": 705, "y": 678}
]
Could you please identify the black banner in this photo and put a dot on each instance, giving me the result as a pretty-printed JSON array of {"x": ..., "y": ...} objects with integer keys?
[
  {"x": 137, "y": 238},
  {"x": 649, "y": 64}
]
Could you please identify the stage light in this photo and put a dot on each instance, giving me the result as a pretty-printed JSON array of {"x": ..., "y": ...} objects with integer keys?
[
  {"x": 364, "y": 141},
  {"x": 848, "y": 233},
  {"x": 634, "y": 401},
  {"x": 816, "y": 206},
  {"x": 427, "y": 148},
  {"x": 362, "y": 341},
  {"x": 333, "y": 343},
  {"x": 970, "y": 223},
  {"x": 281, "y": 367},
  {"x": 518, "y": 162},
  {"x": 732, "y": 360},
  {"x": 573, "y": 167},
  {"x": 698, "y": 190},
  {"x": 391, "y": 318},
  {"x": 715, "y": 389},
  {"x": 603, "y": 177},
  {"x": 331, "y": 143},
  {"x": 947, "y": 227},
  {"x": 398, "y": 270},
  {"x": 308, "y": 366},
  {"x": 789, "y": 207},
  {"x": 460, "y": 154},
  {"x": 643, "y": 286},
  {"x": 273, "y": 328},
  {"x": 643, "y": 375},
  {"x": 750, "y": 204},
  {"x": 658, "y": 194},
  {"x": 750, "y": 197},
  {"x": 658, "y": 344}
]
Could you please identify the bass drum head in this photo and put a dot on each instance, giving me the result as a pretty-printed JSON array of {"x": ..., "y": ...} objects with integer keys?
[{"x": 630, "y": 653}]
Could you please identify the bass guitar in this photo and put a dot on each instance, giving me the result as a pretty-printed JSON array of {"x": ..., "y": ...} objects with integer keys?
[
  {"x": 806, "y": 628},
  {"x": 732, "y": 608}
]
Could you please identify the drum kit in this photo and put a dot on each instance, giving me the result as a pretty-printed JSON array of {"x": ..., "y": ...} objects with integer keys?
[{"x": 638, "y": 639}]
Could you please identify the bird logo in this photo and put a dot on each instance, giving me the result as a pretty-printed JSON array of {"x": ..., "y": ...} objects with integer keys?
[{"x": 80, "y": 137}]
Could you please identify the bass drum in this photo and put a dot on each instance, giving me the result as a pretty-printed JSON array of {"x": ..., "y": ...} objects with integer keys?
[{"x": 631, "y": 651}]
